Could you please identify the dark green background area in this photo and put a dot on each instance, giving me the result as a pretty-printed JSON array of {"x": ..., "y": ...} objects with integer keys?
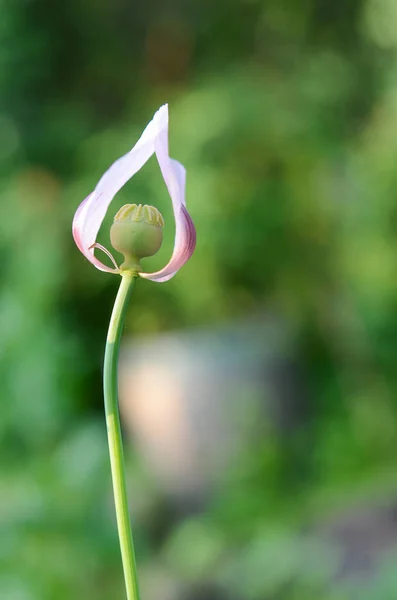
[{"x": 285, "y": 116}]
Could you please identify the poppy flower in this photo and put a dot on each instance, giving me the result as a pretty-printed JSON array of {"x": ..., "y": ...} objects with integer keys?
[{"x": 91, "y": 212}]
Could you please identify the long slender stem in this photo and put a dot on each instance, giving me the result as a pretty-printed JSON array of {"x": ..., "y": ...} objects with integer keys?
[{"x": 114, "y": 435}]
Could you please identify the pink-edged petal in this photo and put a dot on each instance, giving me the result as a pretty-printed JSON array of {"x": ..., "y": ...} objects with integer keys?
[
  {"x": 92, "y": 210},
  {"x": 185, "y": 243},
  {"x": 174, "y": 175},
  {"x": 80, "y": 218}
]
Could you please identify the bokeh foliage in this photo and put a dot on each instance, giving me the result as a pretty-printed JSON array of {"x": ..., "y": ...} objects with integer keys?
[{"x": 285, "y": 115}]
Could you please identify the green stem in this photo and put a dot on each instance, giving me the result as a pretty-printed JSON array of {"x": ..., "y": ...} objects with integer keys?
[{"x": 114, "y": 434}]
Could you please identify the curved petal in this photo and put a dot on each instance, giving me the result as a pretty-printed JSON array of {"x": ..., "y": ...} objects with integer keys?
[
  {"x": 80, "y": 219},
  {"x": 174, "y": 175},
  {"x": 92, "y": 210}
]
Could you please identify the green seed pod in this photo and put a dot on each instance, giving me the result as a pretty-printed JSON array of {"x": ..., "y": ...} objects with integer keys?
[{"x": 137, "y": 232}]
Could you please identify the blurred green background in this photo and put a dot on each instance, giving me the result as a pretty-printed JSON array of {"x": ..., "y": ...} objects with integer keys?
[{"x": 285, "y": 115}]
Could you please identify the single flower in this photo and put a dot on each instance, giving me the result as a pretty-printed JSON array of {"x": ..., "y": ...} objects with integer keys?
[{"x": 92, "y": 211}]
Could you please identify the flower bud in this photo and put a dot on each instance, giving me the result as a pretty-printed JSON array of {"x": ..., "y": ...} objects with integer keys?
[{"x": 137, "y": 232}]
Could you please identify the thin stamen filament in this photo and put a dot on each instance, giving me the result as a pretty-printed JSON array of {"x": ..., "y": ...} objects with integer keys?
[{"x": 106, "y": 251}]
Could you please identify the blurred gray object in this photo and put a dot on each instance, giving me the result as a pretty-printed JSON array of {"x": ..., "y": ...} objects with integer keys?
[{"x": 194, "y": 400}]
